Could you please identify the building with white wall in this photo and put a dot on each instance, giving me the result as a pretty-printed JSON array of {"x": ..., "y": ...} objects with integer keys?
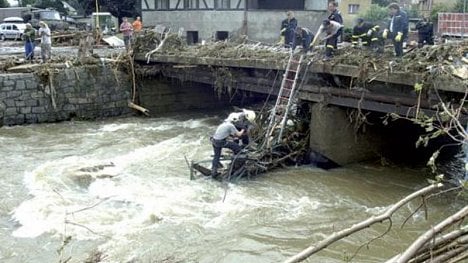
[{"x": 260, "y": 20}]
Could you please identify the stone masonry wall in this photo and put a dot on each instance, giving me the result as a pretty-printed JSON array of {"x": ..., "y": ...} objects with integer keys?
[{"x": 87, "y": 92}]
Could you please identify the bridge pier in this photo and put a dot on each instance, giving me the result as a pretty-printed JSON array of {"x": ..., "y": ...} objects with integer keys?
[{"x": 333, "y": 136}]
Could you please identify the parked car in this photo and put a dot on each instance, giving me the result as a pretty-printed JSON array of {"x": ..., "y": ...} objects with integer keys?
[
  {"x": 13, "y": 19},
  {"x": 12, "y": 31}
]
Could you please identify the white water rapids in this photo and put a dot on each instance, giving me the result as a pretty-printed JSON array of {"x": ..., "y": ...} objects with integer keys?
[{"x": 122, "y": 187}]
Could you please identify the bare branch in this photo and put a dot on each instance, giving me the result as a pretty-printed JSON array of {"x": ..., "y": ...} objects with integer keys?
[
  {"x": 426, "y": 237},
  {"x": 362, "y": 225}
]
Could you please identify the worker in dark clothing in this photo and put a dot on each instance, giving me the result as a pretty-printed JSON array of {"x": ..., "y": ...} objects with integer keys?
[
  {"x": 425, "y": 32},
  {"x": 360, "y": 30},
  {"x": 397, "y": 28},
  {"x": 335, "y": 14},
  {"x": 304, "y": 36},
  {"x": 333, "y": 30},
  {"x": 377, "y": 42},
  {"x": 368, "y": 35},
  {"x": 288, "y": 26}
]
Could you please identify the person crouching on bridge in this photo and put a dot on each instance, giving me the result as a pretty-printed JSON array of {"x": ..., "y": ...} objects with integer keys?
[
  {"x": 304, "y": 36},
  {"x": 333, "y": 31},
  {"x": 220, "y": 141},
  {"x": 425, "y": 32},
  {"x": 360, "y": 30},
  {"x": 367, "y": 34}
]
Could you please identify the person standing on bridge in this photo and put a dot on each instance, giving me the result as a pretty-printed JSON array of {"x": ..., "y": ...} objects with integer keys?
[
  {"x": 220, "y": 141},
  {"x": 288, "y": 26},
  {"x": 397, "y": 29},
  {"x": 137, "y": 25},
  {"x": 127, "y": 29},
  {"x": 46, "y": 41},
  {"x": 29, "y": 36},
  {"x": 335, "y": 15}
]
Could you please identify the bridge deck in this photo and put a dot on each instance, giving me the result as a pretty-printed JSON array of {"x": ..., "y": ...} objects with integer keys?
[
  {"x": 382, "y": 75},
  {"x": 380, "y": 90}
]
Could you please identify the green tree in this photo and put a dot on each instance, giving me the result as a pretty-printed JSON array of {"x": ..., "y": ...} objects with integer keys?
[
  {"x": 461, "y": 6},
  {"x": 27, "y": 2},
  {"x": 118, "y": 8},
  {"x": 439, "y": 8},
  {"x": 4, "y": 3},
  {"x": 375, "y": 13},
  {"x": 55, "y": 4},
  {"x": 122, "y": 8},
  {"x": 413, "y": 12}
]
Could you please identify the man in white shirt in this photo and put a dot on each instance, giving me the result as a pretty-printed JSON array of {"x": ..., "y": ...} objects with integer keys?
[
  {"x": 332, "y": 29},
  {"x": 46, "y": 41},
  {"x": 220, "y": 141}
]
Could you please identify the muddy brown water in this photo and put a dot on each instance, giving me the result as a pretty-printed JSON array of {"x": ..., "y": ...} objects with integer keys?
[{"x": 121, "y": 186}]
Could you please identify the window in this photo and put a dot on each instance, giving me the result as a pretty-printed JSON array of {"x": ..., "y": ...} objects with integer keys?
[
  {"x": 191, "y": 4},
  {"x": 223, "y": 4},
  {"x": 353, "y": 9},
  {"x": 192, "y": 37},
  {"x": 281, "y": 4},
  {"x": 222, "y": 35},
  {"x": 162, "y": 4}
]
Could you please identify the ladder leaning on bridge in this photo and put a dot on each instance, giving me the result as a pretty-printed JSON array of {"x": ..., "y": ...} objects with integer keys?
[{"x": 284, "y": 101}]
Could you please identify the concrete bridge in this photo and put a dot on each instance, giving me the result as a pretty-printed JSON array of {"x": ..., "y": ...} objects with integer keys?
[{"x": 331, "y": 90}]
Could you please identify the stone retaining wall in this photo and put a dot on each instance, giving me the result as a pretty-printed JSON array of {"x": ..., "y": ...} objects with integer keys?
[{"x": 87, "y": 92}]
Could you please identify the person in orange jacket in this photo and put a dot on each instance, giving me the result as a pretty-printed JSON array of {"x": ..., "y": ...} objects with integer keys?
[{"x": 137, "y": 25}]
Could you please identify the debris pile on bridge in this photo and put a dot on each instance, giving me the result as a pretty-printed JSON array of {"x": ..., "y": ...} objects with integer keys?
[
  {"x": 417, "y": 60},
  {"x": 449, "y": 60},
  {"x": 172, "y": 44}
]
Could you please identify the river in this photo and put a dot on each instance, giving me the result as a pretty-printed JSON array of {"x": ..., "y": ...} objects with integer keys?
[{"x": 121, "y": 186}]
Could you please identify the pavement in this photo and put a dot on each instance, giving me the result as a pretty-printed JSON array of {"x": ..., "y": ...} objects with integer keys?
[{"x": 15, "y": 49}]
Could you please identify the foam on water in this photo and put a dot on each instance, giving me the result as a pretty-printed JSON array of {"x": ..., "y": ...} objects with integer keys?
[
  {"x": 90, "y": 198},
  {"x": 130, "y": 191}
]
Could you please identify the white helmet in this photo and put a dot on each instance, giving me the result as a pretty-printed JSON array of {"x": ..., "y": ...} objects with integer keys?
[
  {"x": 233, "y": 117},
  {"x": 249, "y": 115}
]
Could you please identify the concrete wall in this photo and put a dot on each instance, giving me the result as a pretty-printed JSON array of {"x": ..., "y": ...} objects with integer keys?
[
  {"x": 261, "y": 25},
  {"x": 83, "y": 92},
  {"x": 333, "y": 136},
  {"x": 164, "y": 96},
  {"x": 349, "y": 18}
]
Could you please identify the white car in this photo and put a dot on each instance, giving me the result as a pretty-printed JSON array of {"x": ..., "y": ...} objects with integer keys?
[{"x": 11, "y": 31}]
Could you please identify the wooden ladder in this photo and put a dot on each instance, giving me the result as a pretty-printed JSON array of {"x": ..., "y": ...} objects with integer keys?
[{"x": 284, "y": 101}]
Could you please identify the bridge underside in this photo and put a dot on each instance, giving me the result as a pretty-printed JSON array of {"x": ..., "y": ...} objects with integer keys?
[{"x": 344, "y": 101}]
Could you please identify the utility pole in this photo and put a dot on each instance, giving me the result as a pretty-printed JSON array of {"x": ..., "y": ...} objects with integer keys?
[{"x": 464, "y": 20}]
